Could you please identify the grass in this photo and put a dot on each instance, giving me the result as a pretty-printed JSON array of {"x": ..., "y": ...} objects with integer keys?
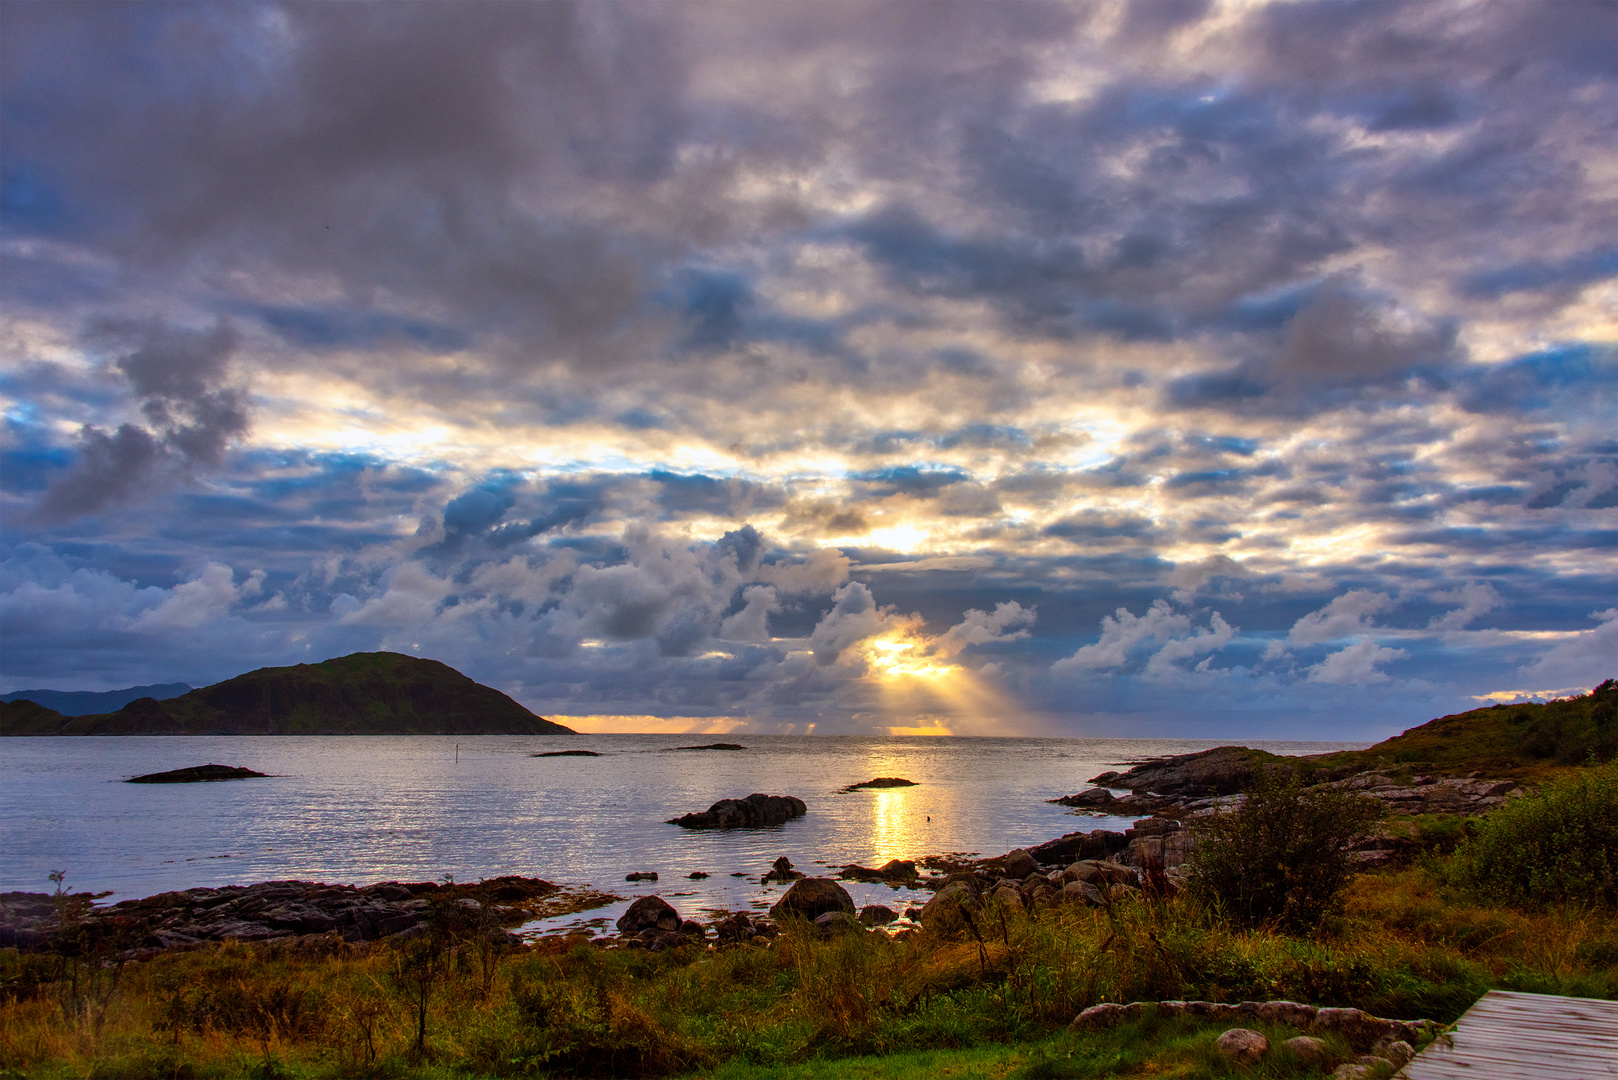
[{"x": 989, "y": 1001}]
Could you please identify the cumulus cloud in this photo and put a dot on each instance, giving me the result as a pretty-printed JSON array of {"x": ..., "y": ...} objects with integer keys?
[
  {"x": 1009, "y": 621},
  {"x": 1586, "y": 658},
  {"x": 1477, "y": 598},
  {"x": 1168, "y": 635},
  {"x": 1346, "y": 616},
  {"x": 752, "y": 622},
  {"x": 1355, "y": 665}
]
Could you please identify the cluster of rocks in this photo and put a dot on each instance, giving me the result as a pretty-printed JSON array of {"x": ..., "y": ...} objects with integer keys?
[
  {"x": 653, "y": 923},
  {"x": 1431, "y": 794},
  {"x": 893, "y": 872},
  {"x": 755, "y": 811},
  {"x": 1377, "y": 1042},
  {"x": 269, "y": 911},
  {"x": 1190, "y": 784}
]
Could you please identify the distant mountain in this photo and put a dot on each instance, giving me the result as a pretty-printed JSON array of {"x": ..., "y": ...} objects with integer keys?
[
  {"x": 362, "y": 694},
  {"x": 91, "y": 703}
]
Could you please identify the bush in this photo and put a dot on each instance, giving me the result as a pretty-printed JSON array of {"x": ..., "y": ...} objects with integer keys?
[
  {"x": 1283, "y": 857},
  {"x": 1559, "y": 845}
]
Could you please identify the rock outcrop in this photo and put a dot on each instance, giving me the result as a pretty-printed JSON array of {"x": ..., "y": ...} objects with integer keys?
[
  {"x": 892, "y": 872},
  {"x": 879, "y": 782},
  {"x": 269, "y": 911},
  {"x": 649, "y": 913},
  {"x": 1224, "y": 770},
  {"x": 754, "y": 812}
]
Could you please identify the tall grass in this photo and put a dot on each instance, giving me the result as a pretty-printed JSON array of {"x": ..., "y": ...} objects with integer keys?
[{"x": 1401, "y": 947}]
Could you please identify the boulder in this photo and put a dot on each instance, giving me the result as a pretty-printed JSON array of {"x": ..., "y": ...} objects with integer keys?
[
  {"x": 781, "y": 870},
  {"x": 754, "y": 812},
  {"x": 833, "y": 923},
  {"x": 812, "y": 898},
  {"x": 1310, "y": 1051},
  {"x": 1351, "y": 1072},
  {"x": 1097, "y": 872},
  {"x": 1083, "y": 892},
  {"x": 649, "y": 913},
  {"x": 641, "y": 875},
  {"x": 877, "y": 915},
  {"x": 1107, "y": 1014},
  {"x": 954, "y": 894},
  {"x": 1018, "y": 864},
  {"x": 1395, "y": 1050},
  {"x": 1242, "y": 1046}
]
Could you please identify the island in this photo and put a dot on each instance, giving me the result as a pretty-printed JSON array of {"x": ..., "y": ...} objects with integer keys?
[
  {"x": 375, "y": 693},
  {"x": 197, "y": 774}
]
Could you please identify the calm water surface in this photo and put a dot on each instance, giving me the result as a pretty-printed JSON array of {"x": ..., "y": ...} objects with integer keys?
[{"x": 364, "y": 809}]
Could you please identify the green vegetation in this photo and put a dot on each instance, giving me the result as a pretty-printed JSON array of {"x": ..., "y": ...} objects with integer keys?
[
  {"x": 997, "y": 1000},
  {"x": 362, "y": 694},
  {"x": 1556, "y": 846},
  {"x": 1284, "y": 856},
  {"x": 1530, "y": 738}
]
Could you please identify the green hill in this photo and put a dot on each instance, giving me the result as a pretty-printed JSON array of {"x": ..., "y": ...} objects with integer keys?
[
  {"x": 362, "y": 694},
  {"x": 1499, "y": 739}
]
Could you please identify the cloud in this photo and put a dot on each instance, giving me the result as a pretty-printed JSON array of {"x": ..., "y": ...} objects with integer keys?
[
  {"x": 1356, "y": 665},
  {"x": 1168, "y": 635},
  {"x": 752, "y": 622},
  {"x": 198, "y": 601},
  {"x": 1346, "y": 616},
  {"x": 178, "y": 374},
  {"x": 1584, "y": 659},
  {"x": 1476, "y": 599},
  {"x": 1009, "y": 621}
]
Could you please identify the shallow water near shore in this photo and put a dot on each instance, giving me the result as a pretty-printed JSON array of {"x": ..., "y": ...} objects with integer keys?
[{"x": 417, "y": 808}]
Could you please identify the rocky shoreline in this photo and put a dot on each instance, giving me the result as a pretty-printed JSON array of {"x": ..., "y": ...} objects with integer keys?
[{"x": 1094, "y": 867}]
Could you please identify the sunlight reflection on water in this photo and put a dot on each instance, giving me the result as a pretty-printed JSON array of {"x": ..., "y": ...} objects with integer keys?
[{"x": 370, "y": 809}]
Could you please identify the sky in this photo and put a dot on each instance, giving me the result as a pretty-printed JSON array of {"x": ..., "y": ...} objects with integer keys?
[{"x": 1177, "y": 368}]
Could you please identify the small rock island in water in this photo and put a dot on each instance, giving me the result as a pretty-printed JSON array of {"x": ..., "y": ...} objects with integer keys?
[
  {"x": 755, "y": 811},
  {"x": 710, "y": 746},
  {"x": 567, "y": 753},
  {"x": 196, "y": 774},
  {"x": 879, "y": 782}
]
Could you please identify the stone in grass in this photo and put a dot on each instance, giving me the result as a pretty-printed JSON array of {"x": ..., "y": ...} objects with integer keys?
[
  {"x": 833, "y": 923},
  {"x": 1309, "y": 1051},
  {"x": 1395, "y": 1050},
  {"x": 1242, "y": 1046}
]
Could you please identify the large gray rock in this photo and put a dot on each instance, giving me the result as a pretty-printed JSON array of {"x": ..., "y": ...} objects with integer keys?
[
  {"x": 952, "y": 895},
  {"x": 1242, "y": 1046},
  {"x": 649, "y": 913},
  {"x": 1309, "y": 1051},
  {"x": 812, "y": 898}
]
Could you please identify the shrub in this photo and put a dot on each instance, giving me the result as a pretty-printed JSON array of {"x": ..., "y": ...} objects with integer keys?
[
  {"x": 1283, "y": 857},
  {"x": 1559, "y": 845}
]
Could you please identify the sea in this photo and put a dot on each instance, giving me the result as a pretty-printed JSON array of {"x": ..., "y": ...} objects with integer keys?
[{"x": 361, "y": 809}]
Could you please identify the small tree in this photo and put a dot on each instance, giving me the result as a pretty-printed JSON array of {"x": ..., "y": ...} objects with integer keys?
[{"x": 1284, "y": 856}]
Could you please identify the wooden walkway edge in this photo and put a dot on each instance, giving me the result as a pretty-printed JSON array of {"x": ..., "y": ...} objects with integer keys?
[{"x": 1512, "y": 1036}]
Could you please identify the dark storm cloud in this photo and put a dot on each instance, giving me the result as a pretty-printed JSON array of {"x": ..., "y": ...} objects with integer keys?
[{"x": 179, "y": 376}]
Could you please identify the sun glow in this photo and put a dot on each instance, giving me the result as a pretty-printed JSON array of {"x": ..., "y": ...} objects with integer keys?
[{"x": 890, "y": 657}]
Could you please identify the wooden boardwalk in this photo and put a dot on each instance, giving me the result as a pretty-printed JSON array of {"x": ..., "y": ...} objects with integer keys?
[{"x": 1510, "y": 1036}]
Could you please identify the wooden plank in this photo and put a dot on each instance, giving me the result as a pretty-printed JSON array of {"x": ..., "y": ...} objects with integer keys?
[{"x": 1509, "y": 1035}]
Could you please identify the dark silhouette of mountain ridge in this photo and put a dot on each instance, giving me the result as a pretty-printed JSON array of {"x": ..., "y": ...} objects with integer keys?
[
  {"x": 92, "y": 702},
  {"x": 380, "y": 693}
]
